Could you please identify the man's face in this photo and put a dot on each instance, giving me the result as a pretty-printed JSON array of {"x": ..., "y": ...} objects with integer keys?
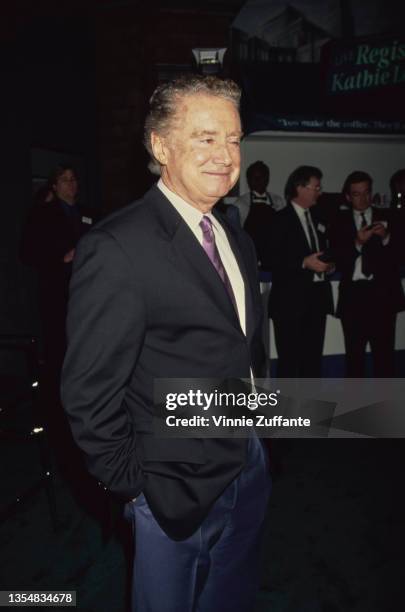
[
  {"x": 66, "y": 186},
  {"x": 200, "y": 156},
  {"x": 308, "y": 195},
  {"x": 258, "y": 180},
  {"x": 359, "y": 195}
]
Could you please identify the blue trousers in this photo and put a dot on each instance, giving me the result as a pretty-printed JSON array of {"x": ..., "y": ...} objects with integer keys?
[{"x": 214, "y": 570}]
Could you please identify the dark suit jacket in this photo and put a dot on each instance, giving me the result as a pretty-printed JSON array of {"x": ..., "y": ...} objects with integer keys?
[
  {"x": 146, "y": 303},
  {"x": 257, "y": 225},
  {"x": 48, "y": 234},
  {"x": 52, "y": 230},
  {"x": 291, "y": 291},
  {"x": 381, "y": 261}
]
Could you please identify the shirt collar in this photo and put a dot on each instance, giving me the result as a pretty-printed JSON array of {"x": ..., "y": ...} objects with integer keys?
[
  {"x": 366, "y": 211},
  {"x": 192, "y": 216},
  {"x": 299, "y": 209}
]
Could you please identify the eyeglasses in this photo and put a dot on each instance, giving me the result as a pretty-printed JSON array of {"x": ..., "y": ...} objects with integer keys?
[{"x": 314, "y": 187}]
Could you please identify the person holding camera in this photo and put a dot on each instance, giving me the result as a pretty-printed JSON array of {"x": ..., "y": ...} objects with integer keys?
[{"x": 370, "y": 291}]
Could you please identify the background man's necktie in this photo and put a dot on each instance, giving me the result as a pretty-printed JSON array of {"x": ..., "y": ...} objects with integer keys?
[
  {"x": 364, "y": 267},
  {"x": 312, "y": 239},
  {"x": 210, "y": 247}
]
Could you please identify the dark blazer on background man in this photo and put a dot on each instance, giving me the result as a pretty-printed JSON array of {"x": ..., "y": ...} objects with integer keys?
[
  {"x": 367, "y": 307},
  {"x": 157, "y": 309},
  {"x": 381, "y": 261},
  {"x": 258, "y": 225},
  {"x": 49, "y": 233},
  {"x": 52, "y": 230},
  {"x": 297, "y": 304},
  {"x": 290, "y": 295}
]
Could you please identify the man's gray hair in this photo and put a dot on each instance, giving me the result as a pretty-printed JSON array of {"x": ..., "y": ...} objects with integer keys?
[{"x": 164, "y": 102}]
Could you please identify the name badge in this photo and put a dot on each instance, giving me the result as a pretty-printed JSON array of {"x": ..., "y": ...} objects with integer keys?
[
  {"x": 87, "y": 220},
  {"x": 321, "y": 228}
]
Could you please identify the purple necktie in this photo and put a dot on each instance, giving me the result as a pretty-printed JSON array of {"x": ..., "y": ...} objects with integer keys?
[{"x": 210, "y": 248}]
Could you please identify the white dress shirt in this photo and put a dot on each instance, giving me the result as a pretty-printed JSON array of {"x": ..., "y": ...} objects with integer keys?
[
  {"x": 192, "y": 216},
  {"x": 244, "y": 201},
  {"x": 319, "y": 276},
  {"x": 358, "y": 221}
]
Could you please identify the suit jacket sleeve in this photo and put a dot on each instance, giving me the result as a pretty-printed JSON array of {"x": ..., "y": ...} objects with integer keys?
[
  {"x": 47, "y": 237},
  {"x": 342, "y": 237},
  {"x": 105, "y": 327},
  {"x": 284, "y": 255},
  {"x": 343, "y": 244}
]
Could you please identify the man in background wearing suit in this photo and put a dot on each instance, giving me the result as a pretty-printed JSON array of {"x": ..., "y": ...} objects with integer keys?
[
  {"x": 300, "y": 295},
  {"x": 370, "y": 291},
  {"x": 165, "y": 288}
]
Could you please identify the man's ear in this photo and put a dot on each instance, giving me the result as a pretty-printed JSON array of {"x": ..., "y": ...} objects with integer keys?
[{"x": 159, "y": 148}]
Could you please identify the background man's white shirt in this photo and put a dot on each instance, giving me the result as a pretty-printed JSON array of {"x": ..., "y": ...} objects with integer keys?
[{"x": 243, "y": 204}]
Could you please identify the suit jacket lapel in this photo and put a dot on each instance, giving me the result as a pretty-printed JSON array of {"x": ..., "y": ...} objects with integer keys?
[
  {"x": 302, "y": 242},
  {"x": 353, "y": 225},
  {"x": 238, "y": 249},
  {"x": 189, "y": 257}
]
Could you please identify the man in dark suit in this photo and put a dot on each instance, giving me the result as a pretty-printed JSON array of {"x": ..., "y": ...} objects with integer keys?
[
  {"x": 300, "y": 295},
  {"x": 164, "y": 288},
  {"x": 370, "y": 291}
]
